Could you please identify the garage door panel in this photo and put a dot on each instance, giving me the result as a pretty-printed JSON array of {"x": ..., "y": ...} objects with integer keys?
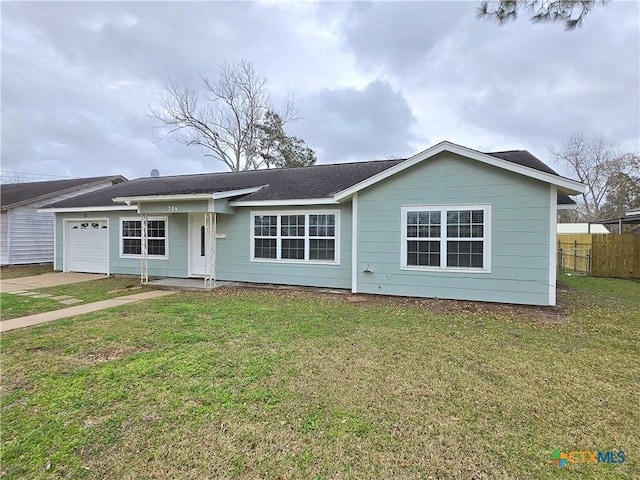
[{"x": 88, "y": 246}]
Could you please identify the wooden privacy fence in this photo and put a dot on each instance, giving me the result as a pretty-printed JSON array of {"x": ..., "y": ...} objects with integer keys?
[
  {"x": 600, "y": 255},
  {"x": 616, "y": 255},
  {"x": 574, "y": 253}
]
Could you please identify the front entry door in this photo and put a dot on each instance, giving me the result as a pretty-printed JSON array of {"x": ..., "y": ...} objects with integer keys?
[{"x": 196, "y": 246}]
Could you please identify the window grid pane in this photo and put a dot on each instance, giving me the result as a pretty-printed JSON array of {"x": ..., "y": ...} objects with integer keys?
[
  {"x": 322, "y": 225},
  {"x": 131, "y": 246},
  {"x": 292, "y": 249},
  {"x": 292, "y": 225},
  {"x": 265, "y": 248},
  {"x": 322, "y": 249},
  {"x": 265, "y": 226},
  {"x": 132, "y": 228},
  {"x": 423, "y": 224},
  {"x": 424, "y": 253},
  {"x": 465, "y": 254},
  {"x": 465, "y": 224}
]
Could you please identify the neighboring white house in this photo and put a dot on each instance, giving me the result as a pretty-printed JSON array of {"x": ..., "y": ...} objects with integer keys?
[
  {"x": 577, "y": 228},
  {"x": 26, "y": 235}
]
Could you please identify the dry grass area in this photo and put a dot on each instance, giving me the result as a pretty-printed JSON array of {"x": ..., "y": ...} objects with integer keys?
[
  {"x": 17, "y": 271},
  {"x": 295, "y": 385}
]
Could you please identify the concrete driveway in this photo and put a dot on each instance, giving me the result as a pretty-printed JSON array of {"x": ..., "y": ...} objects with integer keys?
[{"x": 46, "y": 280}]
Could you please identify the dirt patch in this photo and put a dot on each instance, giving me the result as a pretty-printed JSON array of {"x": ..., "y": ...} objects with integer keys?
[
  {"x": 556, "y": 314},
  {"x": 129, "y": 288},
  {"x": 95, "y": 357}
]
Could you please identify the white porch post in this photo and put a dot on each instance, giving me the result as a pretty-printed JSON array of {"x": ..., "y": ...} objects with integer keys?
[
  {"x": 144, "y": 254},
  {"x": 210, "y": 228}
]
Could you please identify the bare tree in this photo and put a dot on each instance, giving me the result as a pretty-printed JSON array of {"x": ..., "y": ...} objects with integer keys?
[
  {"x": 598, "y": 164},
  {"x": 568, "y": 12},
  {"x": 223, "y": 120}
]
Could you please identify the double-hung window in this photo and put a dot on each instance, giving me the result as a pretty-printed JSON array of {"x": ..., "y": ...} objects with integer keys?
[
  {"x": 446, "y": 237},
  {"x": 131, "y": 237},
  {"x": 295, "y": 236}
]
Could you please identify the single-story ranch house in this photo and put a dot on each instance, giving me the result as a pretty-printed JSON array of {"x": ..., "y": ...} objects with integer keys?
[
  {"x": 449, "y": 222},
  {"x": 26, "y": 235}
]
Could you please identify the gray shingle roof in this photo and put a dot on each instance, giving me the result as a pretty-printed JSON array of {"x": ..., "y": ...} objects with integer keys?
[
  {"x": 318, "y": 181},
  {"x": 524, "y": 158},
  {"x": 13, "y": 194}
]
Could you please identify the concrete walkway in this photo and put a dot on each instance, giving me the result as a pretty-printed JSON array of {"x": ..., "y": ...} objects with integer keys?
[
  {"x": 45, "y": 280},
  {"x": 46, "y": 317}
]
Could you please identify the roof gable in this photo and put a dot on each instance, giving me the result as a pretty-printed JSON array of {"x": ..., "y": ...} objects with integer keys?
[
  {"x": 16, "y": 194},
  {"x": 519, "y": 161}
]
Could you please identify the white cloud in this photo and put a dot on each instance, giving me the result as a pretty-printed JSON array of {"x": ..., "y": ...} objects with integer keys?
[{"x": 372, "y": 80}]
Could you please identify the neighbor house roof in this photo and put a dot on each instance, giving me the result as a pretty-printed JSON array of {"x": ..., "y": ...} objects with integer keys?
[
  {"x": 575, "y": 228},
  {"x": 317, "y": 182},
  {"x": 16, "y": 194}
]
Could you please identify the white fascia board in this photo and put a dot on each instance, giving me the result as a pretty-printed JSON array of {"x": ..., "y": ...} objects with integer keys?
[
  {"x": 237, "y": 193},
  {"x": 568, "y": 207},
  {"x": 284, "y": 203},
  {"x": 565, "y": 185},
  {"x": 114, "y": 208},
  {"x": 163, "y": 198}
]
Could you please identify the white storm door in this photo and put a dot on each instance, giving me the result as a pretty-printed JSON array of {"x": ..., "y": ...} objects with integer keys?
[{"x": 196, "y": 246}]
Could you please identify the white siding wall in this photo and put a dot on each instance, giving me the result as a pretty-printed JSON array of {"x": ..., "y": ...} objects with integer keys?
[
  {"x": 4, "y": 224},
  {"x": 31, "y": 233}
]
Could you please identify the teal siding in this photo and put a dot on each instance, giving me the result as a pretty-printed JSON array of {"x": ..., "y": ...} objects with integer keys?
[
  {"x": 233, "y": 259},
  {"x": 520, "y": 210},
  {"x": 175, "y": 265},
  {"x": 233, "y": 252}
]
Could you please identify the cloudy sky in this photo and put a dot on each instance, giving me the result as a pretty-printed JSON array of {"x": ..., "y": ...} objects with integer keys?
[{"x": 372, "y": 80}]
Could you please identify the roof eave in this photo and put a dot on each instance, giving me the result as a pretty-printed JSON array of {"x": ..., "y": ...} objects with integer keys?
[
  {"x": 283, "y": 203},
  {"x": 100, "y": 208},
  {"x": 187, "y": 196},
  {"x": 163, "y": 198},
  {"x": 564, "y": 185}
]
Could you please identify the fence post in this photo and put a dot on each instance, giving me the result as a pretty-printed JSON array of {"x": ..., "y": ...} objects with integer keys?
[
  {"x": 575, "y": 255},
  {"x": 589, "y": 262}
]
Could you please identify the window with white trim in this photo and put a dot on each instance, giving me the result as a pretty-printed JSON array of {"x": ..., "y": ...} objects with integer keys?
[
  {"x": 295, "y": 236},
  {"x": 446, "y": 237},
  {"x": 131, "y": 237}
]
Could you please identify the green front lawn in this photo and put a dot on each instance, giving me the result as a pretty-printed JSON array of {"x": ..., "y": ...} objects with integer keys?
[
  {"x": 13, "y": 306},
  {"x": 298, "y": 385}
]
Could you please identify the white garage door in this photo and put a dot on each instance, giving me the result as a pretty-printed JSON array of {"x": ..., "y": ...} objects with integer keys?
[{"x": 87, "y": 246}]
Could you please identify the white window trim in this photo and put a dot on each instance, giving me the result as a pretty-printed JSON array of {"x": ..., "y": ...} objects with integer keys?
[
  {"x": 486, "y": 252},
  {"x": 139, "y": 219},
  {"x": 306, "y": 213}
]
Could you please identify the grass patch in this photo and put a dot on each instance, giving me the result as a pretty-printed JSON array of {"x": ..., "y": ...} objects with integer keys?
[
  {"x": 13, "y": 306},
  {"x": 17, "y": 271},
  {"x": 254, "y": 384}
]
